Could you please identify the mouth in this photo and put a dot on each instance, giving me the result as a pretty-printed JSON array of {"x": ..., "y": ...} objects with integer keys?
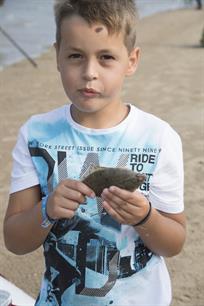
[{"x": 89, "y": 92}]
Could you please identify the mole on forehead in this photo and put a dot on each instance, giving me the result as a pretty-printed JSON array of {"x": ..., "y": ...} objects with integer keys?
[{"x": 98, "y": 29}]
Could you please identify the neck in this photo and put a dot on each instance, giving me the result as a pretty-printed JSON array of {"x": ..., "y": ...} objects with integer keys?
[{"x": 104, "y": 119}]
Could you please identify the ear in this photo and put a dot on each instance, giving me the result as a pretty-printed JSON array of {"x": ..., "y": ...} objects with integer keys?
[
  {"x": 134, "y": 57},
  {"x": 57, "y": 54}
]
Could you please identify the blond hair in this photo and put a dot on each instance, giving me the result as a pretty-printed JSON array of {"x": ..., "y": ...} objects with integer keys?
[{"x": 116, "y": 15}]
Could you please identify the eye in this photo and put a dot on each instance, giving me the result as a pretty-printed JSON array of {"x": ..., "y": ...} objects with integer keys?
[
  {"x": 75, "y": 56},
  {"x": 107, "y": 57}
]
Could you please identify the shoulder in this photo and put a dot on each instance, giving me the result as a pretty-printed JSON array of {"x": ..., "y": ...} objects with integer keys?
[
  {"x": 148, "y": 119},
  {"x": 53, "y": 115},
  {"x": 43, "y": 124},
  {"x": 153, "y": 126}
]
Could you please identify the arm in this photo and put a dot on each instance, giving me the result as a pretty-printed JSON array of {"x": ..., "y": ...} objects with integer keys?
[
  {"x": 23, "y": 232},
  {"x": 163, "y": 233}
]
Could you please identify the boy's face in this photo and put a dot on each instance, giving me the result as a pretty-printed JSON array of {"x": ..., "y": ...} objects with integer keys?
[{"x": 93, "y": 64}]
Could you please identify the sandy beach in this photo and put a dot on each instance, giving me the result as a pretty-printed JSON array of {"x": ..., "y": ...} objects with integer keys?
[{"x": 168, "y": 83}]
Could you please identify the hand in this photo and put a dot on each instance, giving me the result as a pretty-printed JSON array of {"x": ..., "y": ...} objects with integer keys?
[
  {"x": 124, "y": 206},
  {"x": 66, "y": 198}
]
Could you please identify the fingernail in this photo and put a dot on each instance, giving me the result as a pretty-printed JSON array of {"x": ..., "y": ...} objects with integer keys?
[
  {"x": 105, "y": 190},
  {"x": 112, "y": 188},
  {"x": 104, "y": 203},
  {"x": 92, "y": 195}
]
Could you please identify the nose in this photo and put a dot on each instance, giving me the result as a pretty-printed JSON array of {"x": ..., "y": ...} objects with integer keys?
[{"x": 90, "y": 70}]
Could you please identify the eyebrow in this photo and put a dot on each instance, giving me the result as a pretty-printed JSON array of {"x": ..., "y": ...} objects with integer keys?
[
  {"x": 80, "y": 50},
  {"x": 74, "y": 49}
]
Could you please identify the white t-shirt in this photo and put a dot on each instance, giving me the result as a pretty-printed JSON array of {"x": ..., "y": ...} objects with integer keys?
[{"x": 91, "y": 259}]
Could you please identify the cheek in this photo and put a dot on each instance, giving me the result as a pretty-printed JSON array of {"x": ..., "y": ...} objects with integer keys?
[
  {"x": 115, "y": 78},
  {"x": 67, "y": 82},
  {"x": 68, "y": 77}
]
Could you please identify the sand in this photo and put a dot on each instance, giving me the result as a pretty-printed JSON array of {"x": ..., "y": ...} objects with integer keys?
[{"x": 170, "y": 84}]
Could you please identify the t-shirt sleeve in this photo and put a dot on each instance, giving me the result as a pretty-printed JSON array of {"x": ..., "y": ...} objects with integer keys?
[
  {"x": 23, "y": 173},
  {"x": 166, "y": 191}
]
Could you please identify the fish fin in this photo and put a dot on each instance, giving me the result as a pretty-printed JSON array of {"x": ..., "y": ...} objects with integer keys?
[{"x": 91, "y": 168}]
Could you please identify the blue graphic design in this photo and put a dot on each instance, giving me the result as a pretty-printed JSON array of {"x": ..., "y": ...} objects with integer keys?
[{"x": 85, "y": 256}]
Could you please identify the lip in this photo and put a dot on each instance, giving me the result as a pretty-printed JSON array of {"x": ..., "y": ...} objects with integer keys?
[{"x": 89, "y": 92}]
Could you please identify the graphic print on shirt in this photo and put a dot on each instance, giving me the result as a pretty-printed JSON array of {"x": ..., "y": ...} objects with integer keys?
[{"x": 86, "y": 252}]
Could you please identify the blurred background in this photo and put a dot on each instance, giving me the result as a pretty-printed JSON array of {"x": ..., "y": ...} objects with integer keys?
[{"x": 31, "y": 24}]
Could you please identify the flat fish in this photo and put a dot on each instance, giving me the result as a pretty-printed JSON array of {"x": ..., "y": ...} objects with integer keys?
[{"x": 104, "y": 177}]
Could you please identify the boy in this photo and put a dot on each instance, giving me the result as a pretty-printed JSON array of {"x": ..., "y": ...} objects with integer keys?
[{"x": 103, "y": 250}]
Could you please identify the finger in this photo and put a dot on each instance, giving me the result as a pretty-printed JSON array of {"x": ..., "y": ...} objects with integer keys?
[
  {"x": 126, "y": 214},
  {"x": 136, "y": 198},
  {"x": 55, "y": 205},
  {"x": 65, "y": 213},
  {"x": 69, "y": 204},
  {"x": 118, "y": 203},
  {"x": 110, "y": 196},
  {"x": 113, "y": 213},
  {"x": 127, "y": 196},
  {"x": 73, "y": 195},
  {"x": 79, "y": 186}
]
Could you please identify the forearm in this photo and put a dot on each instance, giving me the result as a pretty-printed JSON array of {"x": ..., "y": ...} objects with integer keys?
[
  {"x": 23, "y": 232},
  {"x": 163, "y": 235}
]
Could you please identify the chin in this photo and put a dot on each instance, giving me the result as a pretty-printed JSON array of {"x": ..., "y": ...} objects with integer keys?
[{"x": 89, "y": 106}]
